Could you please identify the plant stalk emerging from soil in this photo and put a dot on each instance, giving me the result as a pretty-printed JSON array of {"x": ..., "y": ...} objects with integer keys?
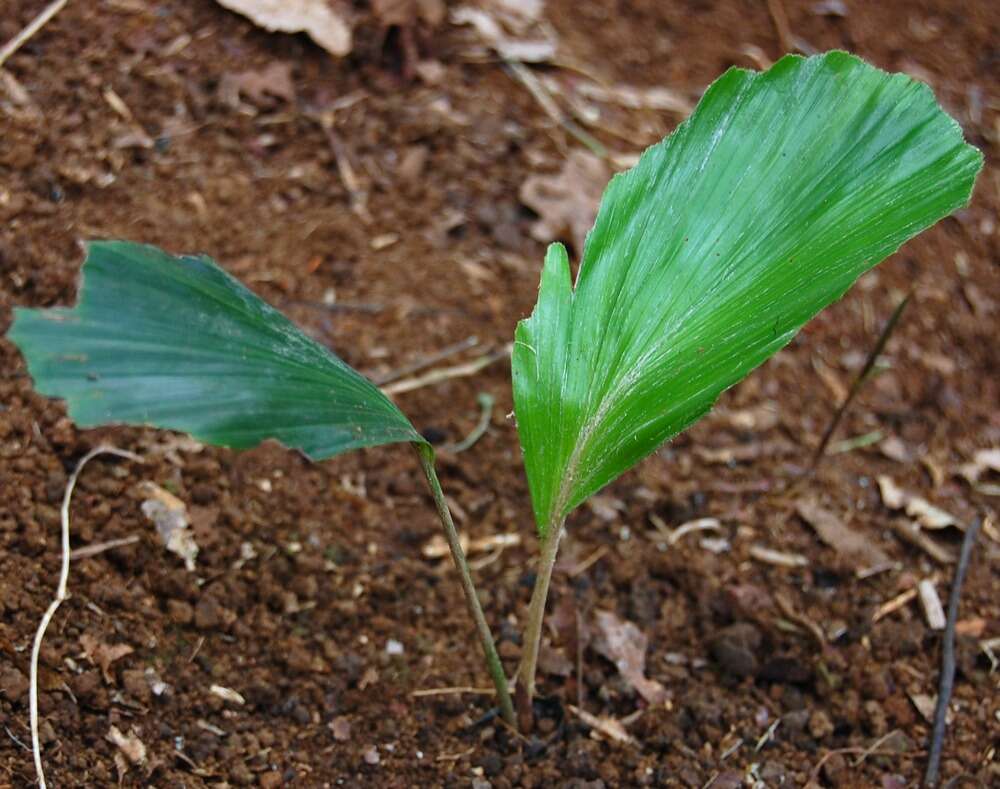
[
  {"x": 536, "y": 615},
  {"x": 493, "y": 663}
]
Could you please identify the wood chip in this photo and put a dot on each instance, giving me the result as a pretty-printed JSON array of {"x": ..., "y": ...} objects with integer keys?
[
  {"x": 913, "y": 534},
  {"x": 129, "y": 744},
  {"x": 227, "y": 694},
  {"x": 929, "y": 516},
  {"x": 771, "y": 556},
  {"x": 933, "y": 609},
  {"x": 609, "y": 727}
]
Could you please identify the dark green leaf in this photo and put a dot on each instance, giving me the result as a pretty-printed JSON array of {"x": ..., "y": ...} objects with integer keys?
[
  {"x": 713, "y": 251},
  {"x": 176, "y": 342}
]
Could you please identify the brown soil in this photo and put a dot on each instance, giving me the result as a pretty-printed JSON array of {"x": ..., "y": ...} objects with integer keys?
[{"x": 300, "y": 629}]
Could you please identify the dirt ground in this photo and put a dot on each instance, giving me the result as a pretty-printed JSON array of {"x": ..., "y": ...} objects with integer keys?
[{"x": 312, "y": 597}]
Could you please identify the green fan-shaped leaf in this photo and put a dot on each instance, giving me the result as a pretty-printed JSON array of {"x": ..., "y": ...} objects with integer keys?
[
  {"x": 176, "y": 342},
  {"x": 711, "y": 253}
]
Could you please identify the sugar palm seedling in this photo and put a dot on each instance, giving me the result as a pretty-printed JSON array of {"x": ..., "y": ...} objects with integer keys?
[{"x": 705, "y": 259}]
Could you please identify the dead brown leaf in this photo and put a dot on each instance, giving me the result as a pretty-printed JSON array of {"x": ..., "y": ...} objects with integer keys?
[
  {"x": 511, "y": 28},
  {"x": 103, "y": 655},
  {"x": 894, "y": 449},
  {"x": 566, "y": 202},
  {"x": 258, "y": 85},
  {"x": 324, "y": 25},
  {"x": 553, "y": 662},
  {"x": 834, "y": 532},
  {"x": 624, "y": 644},
  {"x": 983, "y": 460},
  {"x": 406, "y": 13}
]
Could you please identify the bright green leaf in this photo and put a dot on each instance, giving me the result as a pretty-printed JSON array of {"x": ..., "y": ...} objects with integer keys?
[
  {"x": 711, "y": 253},
  {"x": 176, "y": 342}
]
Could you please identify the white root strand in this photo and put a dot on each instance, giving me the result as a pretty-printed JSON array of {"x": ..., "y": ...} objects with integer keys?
[{"x": 61, "y": 594}]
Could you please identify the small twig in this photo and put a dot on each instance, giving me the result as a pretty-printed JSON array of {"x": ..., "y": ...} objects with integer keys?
[
  {"x": 447, "y": 373},
  {"x": 486, "y": 402},
  {"x": 452, "y": 691},
  {"x": 99, "y": 548},
  {"x": 544, "y": 98},
  {"x": 859, "y": 381},
  {"x": 895, "y": 604},
  {"x": 425, "y": 361},
  {"x": 61, "y": 594},
  {"x": 197, "y": 649},
  {"x": 33, "y": 27},
  {"x": 948, "y": 656},
  {"x": 356, "y": 190}
]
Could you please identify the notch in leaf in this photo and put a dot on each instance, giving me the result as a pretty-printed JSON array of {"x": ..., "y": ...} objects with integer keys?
[
  {"x": 177, "y": 343},
  {"x": 709, "y": 255}
]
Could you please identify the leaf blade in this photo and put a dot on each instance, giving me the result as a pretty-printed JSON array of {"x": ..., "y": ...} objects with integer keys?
[
  {"x": 709, "y": 256},
  {"x": 178, "y": 343}
]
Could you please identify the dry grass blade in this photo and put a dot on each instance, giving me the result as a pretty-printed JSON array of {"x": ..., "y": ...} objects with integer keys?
[
  {"x": 33, "y": 27},
  {"x": 425, "y": 361},
  {"x": 61, "y": 594},
  {"x": 447, "y": 373}
]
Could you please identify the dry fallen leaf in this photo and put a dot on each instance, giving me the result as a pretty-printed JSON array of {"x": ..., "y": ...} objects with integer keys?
[
  {"x": 129, "y": 744},
  {"x": 624, "y": 644},
  {"x": 503, "y": 25},
  {"x": 567, "y": 201},
  {"x": 169, "y": 514},
  {"x": 982, "y": 461},
  {"x": 317, "y": 18},
  {"x": 632, "y": 97},
  {"x": 103, "y": 655},
  {"x": 830, "y": 529},
  {"x": 894, "y": 449},
  {"x": 929, "y": 516},
  {"x": 274, "y": 80},
  {"x": 553, "y": 662},
  {"x": 406, "y": 13}
]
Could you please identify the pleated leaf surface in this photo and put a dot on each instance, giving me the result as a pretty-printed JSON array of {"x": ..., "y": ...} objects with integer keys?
[
  {"x": 178, "y": 343},
  {"x": 712, "y": 252}
]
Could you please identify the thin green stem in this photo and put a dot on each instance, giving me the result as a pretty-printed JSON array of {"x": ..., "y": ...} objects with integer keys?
[
  {"x": 536, "y": 612},
  {"x": 485, "y": 635}
]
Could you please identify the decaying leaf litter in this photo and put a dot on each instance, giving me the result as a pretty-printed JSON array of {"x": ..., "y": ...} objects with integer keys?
[{"x": 723, "y": 488}]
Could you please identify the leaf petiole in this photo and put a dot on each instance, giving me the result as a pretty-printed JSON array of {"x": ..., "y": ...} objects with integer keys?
[{"x": 497, "y": 674}]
